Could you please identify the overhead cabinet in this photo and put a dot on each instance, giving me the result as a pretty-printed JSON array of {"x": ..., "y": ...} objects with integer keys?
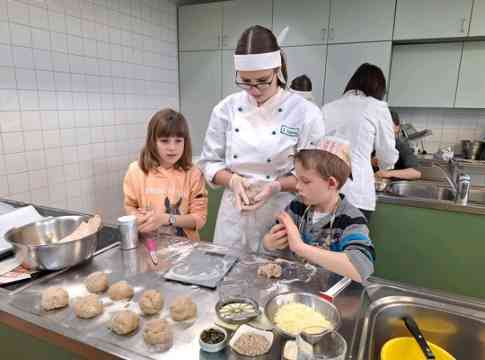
[
  {"x": 430, "y": 19},
  {"x": 200, "y": 27},
  {"x": 471, "y": 85},
  {"x": 424, "y": 75},
  {"x": 361, "y": 20},
  {"x": 310, "y": 61},
  {"x": 344, "y": 59},
  {"x": 200, "y": 90},
  {"x": 477, "y": 27},
  {"x": 307, "y": 20}
]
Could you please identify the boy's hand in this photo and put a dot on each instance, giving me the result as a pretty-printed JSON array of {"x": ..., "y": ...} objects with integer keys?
[
  {"x": 294, "y": 239},
  {"x": 276, "y": 239}
]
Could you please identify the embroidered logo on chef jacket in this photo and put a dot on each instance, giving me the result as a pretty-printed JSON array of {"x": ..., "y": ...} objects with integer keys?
[{"x": 289, "y": 131}]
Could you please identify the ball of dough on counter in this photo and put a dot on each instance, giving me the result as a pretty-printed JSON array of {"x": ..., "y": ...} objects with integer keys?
[
  {"x": 158, "y": 332},
  {"x": 120, "y": 290},
  {"x": 270, "y": 270},
  {"x": 96, "y": 282},
  {"x": 54, "y": 298},
  {"x": 89, "y": 306},
  {"x": 183, "y": 308},
  {"x": 151, "y": 302},
  {"x": 125, "y": 322}
]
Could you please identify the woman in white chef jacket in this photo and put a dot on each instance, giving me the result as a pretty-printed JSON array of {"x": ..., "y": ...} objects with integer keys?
[
  {"x": 361, "y": 117},
  {"x": 250, "y": 138},
  {"x": 302, "y": 85}
]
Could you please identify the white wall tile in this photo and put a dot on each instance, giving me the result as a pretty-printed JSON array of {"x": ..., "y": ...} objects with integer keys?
[
  {"x": 66, "y": 119},
  {"x": 7, "y": 78},
  {"x": 23, "y": 57},
  {"x": 51, "y": 139},
  {"x": 18, "y": 183},
  {"x": 13, "y": 142},
  {"x": 35, "y": 160},
  {"x": 31, "y": 120},
  {"x": 69, "y": 154},
  {"x": 42, "y": 59},
  {"x": 6, "y": 58},
  {"x": 33, "y": 140},
  {"x": 75, "y": 45},
  {"x": 53, "y": 157},
  {"x": 71, "y": 171},
  {"x": 25, "y": 79},
  {"x": 39, "y": 17},
  {"x": 3, "y": 168},
  {"x": 3, "y": 186},
  {"x": 45, "y": 80},
  {"x": 15, "y": 163},
  {"x": 9, "y": 100},
  {"x": 4, "y": 32},
  {"x": 59, "y": 42},
  {"x": 41, "y": 39},
  {"x": 49, "y": 120},
  {"x": 57, "y": 22},
  {"x": 38, "y": 179},
  {"x": 40, "y": 196},
  {"x": 20, "y": 35},
  {"x": 18, "y": 12},
  {"x": 55, "y": 175},
  {"x": 10, "y": 121},
  {"x": 60, "y": 61}
]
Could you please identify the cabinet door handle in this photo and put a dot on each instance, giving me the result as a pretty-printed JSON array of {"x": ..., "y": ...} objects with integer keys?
[
  {"x": 331, "y": 34},
  {"x": 463, "y": 25},
  {"x": 219, "y": 45},
  {"x": 224, "y": 40},
  {"x": 324, "y": 34}
]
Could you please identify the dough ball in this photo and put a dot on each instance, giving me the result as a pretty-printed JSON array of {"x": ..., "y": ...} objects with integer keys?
[
  {"x": 97, "y": 282},
  {"x": 158, "y": 332},
  {"x": 54, "y": 298},
  {"x": 125, "y": 322},
  {"x": 183, "y": 308},
  {"x": 151, "y": 302},
  {"x": 120, "y": 290},
  {"x": 87, "y": 307},
  {"x": 270, "y": 270}
]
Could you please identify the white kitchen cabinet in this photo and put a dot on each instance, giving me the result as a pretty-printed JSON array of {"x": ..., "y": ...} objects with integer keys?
[
  {"x": 238, "y": 15},
  {"x": 307, "y": 19},
  {"x": 200, "y": 90},
  {"x": 477, "y": 27},
  {"x": 471, "y": 84},
  {"x": 361, "y": 20},
  {"x": 200, "y": 26},
  {"x": 228, "y": 73},
  {"x": 428, "y": 19},
  {"x": 308, "y": 60},
  {"x": 344, "y": 59},
  {"x": 424, "y": 75}
]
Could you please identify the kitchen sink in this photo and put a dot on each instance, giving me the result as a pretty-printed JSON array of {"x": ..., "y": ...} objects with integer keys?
[
  {"x": 424, "y": 190},
  {"x": 456, "y": 324}
]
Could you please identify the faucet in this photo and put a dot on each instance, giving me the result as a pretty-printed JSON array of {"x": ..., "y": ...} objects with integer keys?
[{"x": 460, "y": 184}]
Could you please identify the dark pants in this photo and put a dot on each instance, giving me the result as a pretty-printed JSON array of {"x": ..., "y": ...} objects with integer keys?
[{"x": 367, "y": 214}]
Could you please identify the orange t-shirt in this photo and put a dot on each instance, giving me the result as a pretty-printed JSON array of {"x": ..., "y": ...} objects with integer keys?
[{"x": 173, "y": 191}]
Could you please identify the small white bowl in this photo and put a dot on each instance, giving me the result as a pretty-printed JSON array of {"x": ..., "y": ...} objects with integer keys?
[
  {"x": 212, "y": 348},
  {"x": 244, "y": 329}
]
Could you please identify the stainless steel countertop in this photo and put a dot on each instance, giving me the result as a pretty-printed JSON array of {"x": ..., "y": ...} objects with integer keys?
[
  {"x": 136, "y": 267},
  {"x": 430, "y": 204}
]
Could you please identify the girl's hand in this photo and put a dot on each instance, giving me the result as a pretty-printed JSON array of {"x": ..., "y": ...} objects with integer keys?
[
  {"x": 295, "y": 241},
  {"x": 153, "y": 220},
  {"x": 276, "y": 239}
]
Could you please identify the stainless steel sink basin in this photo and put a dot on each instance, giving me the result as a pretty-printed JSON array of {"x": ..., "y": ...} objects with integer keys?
[
  {"x": 456, "y": 324},
  {"x": 424, "y": 190}
]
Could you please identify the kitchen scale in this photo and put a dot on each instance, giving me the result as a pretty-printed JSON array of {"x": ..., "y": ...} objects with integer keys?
[{"x": 202, "y": 268}]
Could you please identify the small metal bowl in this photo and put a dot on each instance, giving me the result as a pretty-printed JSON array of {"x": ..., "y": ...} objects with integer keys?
[
  {"x": 38, "y": 246},
  {"x": 238, "y": 316},
  {"x": 381, "y": 184},
  {"x": 324, "y": 307}
]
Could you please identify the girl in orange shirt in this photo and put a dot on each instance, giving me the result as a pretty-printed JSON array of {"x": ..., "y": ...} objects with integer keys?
[{"x": 163, "y": 189}]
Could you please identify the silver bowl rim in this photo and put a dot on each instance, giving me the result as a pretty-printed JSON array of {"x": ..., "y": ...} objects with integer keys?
[
  {"x": 312, "y": 295},
  {"x": 57, "y": 245},
  {"x": 233, "y": 299}
]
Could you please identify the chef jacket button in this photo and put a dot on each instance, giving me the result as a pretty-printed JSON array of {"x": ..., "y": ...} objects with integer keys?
[
  {"x": 268, "y": 177},
  {"x": 274, "y": 132},
  {"x": 280, "y": 110},
  {"x": 235, "y": 156},
  {"x": 240, "y": 109},
  {"x": 268, "y": 160},
  {"x": 236, "y": 130}
]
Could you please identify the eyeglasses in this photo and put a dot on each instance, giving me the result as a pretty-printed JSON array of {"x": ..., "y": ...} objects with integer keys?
[{"x": 260, "y": 85}]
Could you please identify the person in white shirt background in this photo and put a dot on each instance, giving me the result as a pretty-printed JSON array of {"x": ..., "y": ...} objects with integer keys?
[
  {"x": 302, "y": 85},
  {"x": 361, "y": 117},
  {"x": 250, "y": 138}
]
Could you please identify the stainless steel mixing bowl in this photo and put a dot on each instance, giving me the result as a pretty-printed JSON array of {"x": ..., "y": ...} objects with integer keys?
[
  {"x": 38, "y": 247},
  {"x": 324, "y": 307}
]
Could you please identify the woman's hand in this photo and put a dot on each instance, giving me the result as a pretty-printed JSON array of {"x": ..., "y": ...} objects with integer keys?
[
  {"x": 239, "y": 185},
  {"x": 267, "y": 191},
  {"x": 295, "y": 241},
  {"x": 276, "y": 239},
  {"x": 383, "y": 174},
  {"x": 151, "y": 220}
]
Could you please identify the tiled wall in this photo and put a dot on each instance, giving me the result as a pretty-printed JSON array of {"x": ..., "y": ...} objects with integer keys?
[
  {"x": 78, "y": 82},
  {"x": 449, "y": 126}
]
